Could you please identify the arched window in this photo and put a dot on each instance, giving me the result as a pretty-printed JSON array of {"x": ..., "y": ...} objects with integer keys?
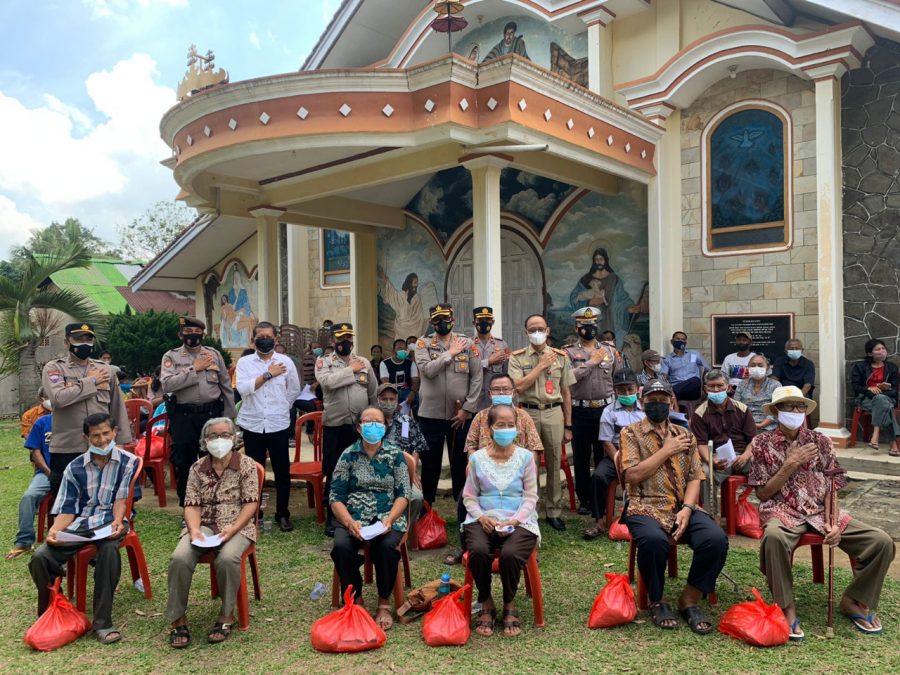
[{"x": 746, "y": 160}]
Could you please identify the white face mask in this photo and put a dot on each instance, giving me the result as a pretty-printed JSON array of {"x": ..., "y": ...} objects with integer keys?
[
  {"x": 757, "y": 372},
  {"x": 538, "y": 338},
  {"x": 47, "y": 405},
  {"x": 656, "y": 367},
  {"x": 219, "y": 447},
  {"x": 791, "y": 420}
]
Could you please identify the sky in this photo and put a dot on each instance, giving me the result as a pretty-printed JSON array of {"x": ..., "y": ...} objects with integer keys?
[{"x": 84, "y": 84}]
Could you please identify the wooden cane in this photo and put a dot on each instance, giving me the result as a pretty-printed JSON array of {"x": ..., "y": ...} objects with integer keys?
[
  {"x": 711, "y": 484},
  {"x": 832, "y": 518}
]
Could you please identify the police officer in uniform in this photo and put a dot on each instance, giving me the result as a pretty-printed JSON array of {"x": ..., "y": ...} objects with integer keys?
[
  {"x": 594, "y": 364},
  {"x": 348, "y": 386},
  {"x": 78, "y": 386},
  {"x": 450, "y": 372},
  {"x": 494, "y": 352},
  {"x": 543, "y": 376},
  {"x": 197, "y": 387}
]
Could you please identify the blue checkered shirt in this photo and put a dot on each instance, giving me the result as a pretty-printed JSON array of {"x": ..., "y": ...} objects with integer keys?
[{"x": 89, "y": 492}]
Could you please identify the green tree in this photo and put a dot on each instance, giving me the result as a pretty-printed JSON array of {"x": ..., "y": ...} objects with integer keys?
[
  {"x": 149, "y": 234},
  {"x": 24, "y": 319},
  {"x": 59, "y": 237}
]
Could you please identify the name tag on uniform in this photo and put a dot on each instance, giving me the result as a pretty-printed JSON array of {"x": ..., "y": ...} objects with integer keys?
[
  {"x": 693, "y": 358},
  {"x": 361, "y": 377},
  {"x": 404, "y": 429}
]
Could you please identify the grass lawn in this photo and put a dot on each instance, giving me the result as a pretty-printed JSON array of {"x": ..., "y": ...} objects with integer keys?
[{"x": 278, "y": 638}]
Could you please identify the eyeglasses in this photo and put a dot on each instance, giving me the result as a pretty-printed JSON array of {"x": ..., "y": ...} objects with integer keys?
[
  {"x": 213, "y": 437},
  {"x": 540, "y": 329},
  {"x": 192, "y": 331},
  {"x": 792, "y": 407},
  {"x": 504, "y": 425},
  {"x": 502, "y": 390}
]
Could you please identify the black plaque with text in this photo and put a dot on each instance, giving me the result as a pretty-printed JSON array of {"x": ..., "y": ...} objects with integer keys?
[{"x": 769, "y": 333}]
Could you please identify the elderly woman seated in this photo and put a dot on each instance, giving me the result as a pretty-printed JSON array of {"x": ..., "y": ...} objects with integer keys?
[
  {"x": 500, "y": 496},
  {"x": 370, "y": 485},
  {"x": 220, "y": 501},
  {"x": 756, "y": 391},
  {"x": 875, "y": 381}
]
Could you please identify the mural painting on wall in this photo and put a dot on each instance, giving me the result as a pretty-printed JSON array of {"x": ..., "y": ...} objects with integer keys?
[
  {"x": 549, "y": 47},
  {"x": 229, "y": 305}
]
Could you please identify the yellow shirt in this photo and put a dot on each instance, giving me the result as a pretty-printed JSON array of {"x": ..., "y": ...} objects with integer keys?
[{"x": 559, "y": 375}]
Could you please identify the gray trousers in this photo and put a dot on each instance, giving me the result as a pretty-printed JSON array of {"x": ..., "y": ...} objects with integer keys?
[
  {"x": 882, "y": 409},
  {"x": 228, "y": 573},
  {"x": 48, "y": 562},
  {"x": 872, "y": 548}
]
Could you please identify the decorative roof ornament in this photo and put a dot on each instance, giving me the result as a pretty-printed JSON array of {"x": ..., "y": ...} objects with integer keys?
[
  {"x": 201, "y": 74},
  {"x": 448, "y": 20}
]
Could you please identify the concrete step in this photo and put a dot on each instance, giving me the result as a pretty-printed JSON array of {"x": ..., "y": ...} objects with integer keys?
[{"x": 864, "y": 460}]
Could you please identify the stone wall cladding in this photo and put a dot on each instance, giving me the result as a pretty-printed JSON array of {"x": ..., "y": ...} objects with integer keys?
[
  {"x": 870, "y": 120},
  {"x": 760, "y": 283},
  {"x": 324, "y": 303}
]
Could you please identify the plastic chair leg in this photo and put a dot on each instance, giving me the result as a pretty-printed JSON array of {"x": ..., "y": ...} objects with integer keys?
[
  {"x": 673, "y": 562},
  {"x": 404, "y": 560},
  {"x": 243, "y": 602},
  {"x": 611, "y": 502},
  {"x": 159, "y": 482},
  {"x": 320, "y": 501},
  {"x": 632, "y": 559},
  {"x": 213, "y": 581},
  {"x": 310, "y": 497},
  {"x": 335, "y": 590},
  {"x": 398, "y": 588},
  {"x": 138, "y": 564},
  {"x": 570, "y": 483},
  {"x": 254, "y": 571},
  {"x": 818, "y": 565},
  {"x": 533, "y": 580}
]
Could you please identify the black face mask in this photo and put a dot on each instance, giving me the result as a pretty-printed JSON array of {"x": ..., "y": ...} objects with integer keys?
[
  {"x": 743, "y": 346},
  {"x": 344, "y": 347},
  {"x": 587, "y": 332},
  {"x": 484, "y": 327},
  {"x": 264, "y": 344},
  {"x": 81, "y": 352},
  {"x": 443, "y": 327},
  {"x": 679, "y": 344},
  {"x": 192, "y": 340},
  {"x": 656, "y": 411}
]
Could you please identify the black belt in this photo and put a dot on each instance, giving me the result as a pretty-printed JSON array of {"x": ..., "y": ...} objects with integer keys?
[
  {"x": 540, "y": 406},
  {"x": 215, "y": 406},
  {"x": 599, "y": 403}
]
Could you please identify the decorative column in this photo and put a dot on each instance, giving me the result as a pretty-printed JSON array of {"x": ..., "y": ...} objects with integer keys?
[
  {"x": 364, "y": 290},
  {"x": 267, "y": 263},
  {"x": 298, "y": 276},
  {"x": 830, "y": 251},
  {"x": 486, "y": 258},
  {"x": 599, "y": 37}
]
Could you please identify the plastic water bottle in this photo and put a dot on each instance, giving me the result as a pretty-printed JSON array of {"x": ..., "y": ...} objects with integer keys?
[
  {"x": 139, "y": 585},
  {"x": 318, "y": 591},
  {"x": 444, "y": 588}
]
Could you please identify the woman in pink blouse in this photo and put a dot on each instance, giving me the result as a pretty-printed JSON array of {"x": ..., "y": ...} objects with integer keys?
[{"x": 500, "y": 496}]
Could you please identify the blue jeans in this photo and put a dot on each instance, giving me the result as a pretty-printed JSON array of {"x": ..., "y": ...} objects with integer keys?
[{"x": 28, "y": 506}]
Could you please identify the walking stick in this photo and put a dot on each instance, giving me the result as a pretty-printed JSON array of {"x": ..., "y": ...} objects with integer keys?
[
  {"x": 832, "y": 517},
  {"x": 711, "y": 485}
]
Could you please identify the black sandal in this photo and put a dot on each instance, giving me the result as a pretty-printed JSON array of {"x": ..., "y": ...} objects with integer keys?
[
  {"x": 486, "y": 619},
  {"x": 511, "y": 620},
  {"x": 661, "y": 612},
  {"x": 453, "y": 558},
  {"x": 179, "y": 632},
  {"x": 694, "y": 617},
  {"x": 219, "y": 628}
]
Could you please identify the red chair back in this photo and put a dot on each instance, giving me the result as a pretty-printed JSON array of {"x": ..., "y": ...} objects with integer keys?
[
  {"x": 299, "y": 435},
  {"x": 134, "y": 479},
  {"x": 143, "y": 446},
  {"x": 134, "y": 407}
]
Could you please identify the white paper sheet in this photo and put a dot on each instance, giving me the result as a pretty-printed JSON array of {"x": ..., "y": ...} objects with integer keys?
[
  {"x": 404, "y": 429},
  {"x": 371, "y": 531},
  {"x": 726, "y": 452},
  {"x": 405, "y": 408},
  {"x": 72, "y": 538},
  {"x": 209, "y": 541},
  {"x": 307, "y": 394}
]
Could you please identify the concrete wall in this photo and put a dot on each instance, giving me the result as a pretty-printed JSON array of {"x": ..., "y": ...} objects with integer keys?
[
  {"x": 324, "y": 303},
  {"x": 762, "y": 282}
]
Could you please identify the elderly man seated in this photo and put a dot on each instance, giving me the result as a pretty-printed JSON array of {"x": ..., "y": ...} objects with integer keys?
[
  {"x": 663, "y": 473},
  {"x": 788, "y": 472},
  {"x": 723, "y": 421},
  {"x": 219, "y": 505},
  {"x": 93, "y": 494}
]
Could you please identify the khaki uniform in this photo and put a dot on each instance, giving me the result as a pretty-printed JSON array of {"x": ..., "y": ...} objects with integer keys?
[
  {"x": 544, "y": 403},
  {"x": 446, "y": 379},
  {"x": 345, "y": 394},
  {"x": 488, "y": 349},
  {"x": 192, "y": 388},
  {"x": 75, "y": 396}
]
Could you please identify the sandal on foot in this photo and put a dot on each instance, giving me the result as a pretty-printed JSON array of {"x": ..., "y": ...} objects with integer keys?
[
  {"x": 874, "y": 446},
  {"x": 660, "y": 613},
  {"x": 107, "y": 636},
  {"x": 453, "y": 558},
  {"x": 858, "y": 619},
  {"x": 894, "y": 452},
  {"x": 179, "y": 633},
  {"x": 694, "y": 617},
  {"x": 796, "y": 634},
  {"x": 511, "y": 621},
  {"x": 383, "y": 617},
  {"x": 592, "y": 533},
  {"x": 219, "y": 629},
  {"x": 16, "y": 551},
  {"x": 486, "y": 619}
]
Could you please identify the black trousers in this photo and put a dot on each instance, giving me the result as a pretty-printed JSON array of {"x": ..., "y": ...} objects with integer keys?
[
  {"x": 707, "y": 540},
  {"x": 301, "y": 408},
  {"x": 587, "y": 449},
  {"x": 514, "y": 552},
  {"x": 436, "y": 433},
  {"x": 58, "y": 463},
  {"x": 383, "y": 552},
  {"x": 184, "y": 431},
  {"x": 688, "y": 390},
  {"x": 276, "y": 443},
  {"x": 603, "y": 475}
]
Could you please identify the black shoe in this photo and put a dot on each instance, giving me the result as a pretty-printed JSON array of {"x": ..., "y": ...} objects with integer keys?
[
  {"x": 556, "y": 524},
  {"x": 329, "y": 531},
  {"x": 584, "y": 511},
  {"x": 284, "y": 524}
]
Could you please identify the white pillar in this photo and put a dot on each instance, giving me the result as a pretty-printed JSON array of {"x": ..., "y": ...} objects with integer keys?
[
  {"x": 664, "y": 238},
  {"x": 363, "y": 290},
  {"x": 600, "y": 78},
  {"x": 298, "y": 276},
  {"x": 830, "y": 259},
  {"x": 486, "y": 258},
  {"x": 267, "y": 263}
]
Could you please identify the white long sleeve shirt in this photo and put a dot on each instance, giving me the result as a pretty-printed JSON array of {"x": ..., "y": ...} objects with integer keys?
[{"x": 267, "y": 409}]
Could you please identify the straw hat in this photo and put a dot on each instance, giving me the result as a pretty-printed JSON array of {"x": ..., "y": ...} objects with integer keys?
[{"x": 787, "y": 395}]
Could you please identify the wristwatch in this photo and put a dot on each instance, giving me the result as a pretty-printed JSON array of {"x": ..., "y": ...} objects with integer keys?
[
  {"x": 267, "y": 376},
  {"x": 692, "y": 507},
  {"x": 568, "y": 427}
]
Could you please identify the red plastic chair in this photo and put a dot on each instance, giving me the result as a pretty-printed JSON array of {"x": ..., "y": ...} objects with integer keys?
[
  {"x": 861, "y": 416},
  {"x": 43, "y": 516},
  {"x": 643, "y": 598},
  {"x": 729, "y": 501},
  {"x": 533, "y": 587},
  {"x": 134, "y": 407},
  {"x": 816, "y": 543},
  {"x": 311, "y": 472},
  {"x": 243, "y": 596},
  {"x": 77, "y": 568},
  {"x": 368, "y": 576},
  {"x": 156, "y": 464},
  {"x": 567, "y": 470}
]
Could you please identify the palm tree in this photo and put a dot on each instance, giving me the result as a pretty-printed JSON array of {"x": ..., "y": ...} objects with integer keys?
[{"x": 24, "y": 315}]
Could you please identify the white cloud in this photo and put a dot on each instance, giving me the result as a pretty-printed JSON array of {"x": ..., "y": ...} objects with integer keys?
[
  {"x": 529, "y": 204},
  {"x": 101, "y": 9},
  {"x": 79, "y": 119},
  {"x": 15, "y": 227},
  {"x": 253, "y": 38}
]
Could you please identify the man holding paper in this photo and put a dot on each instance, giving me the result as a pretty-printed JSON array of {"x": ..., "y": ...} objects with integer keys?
[
  {"x": 90, "y": 504},
  {"x": 728, "y": 424}
]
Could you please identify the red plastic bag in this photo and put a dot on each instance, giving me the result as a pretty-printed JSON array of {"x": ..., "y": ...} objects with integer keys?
[
  {"x": 618, "y": 531},
  {"x": 447, "y": 624},
  {"x": 614, "y": 604},
  {"x": 756, "y": 623},
  {"x": 59, "y": 625},
  {"x": 431, "y": 530},
  {"x": 349, "y": 629},
  {"x": 748, "y": 517}
]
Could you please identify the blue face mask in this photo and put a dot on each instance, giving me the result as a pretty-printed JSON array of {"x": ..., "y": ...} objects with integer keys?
[
  {"x": 717, "y": 397},
  {"x": 402, "y": 354},
  {"x": 628, "y": 400},
  {"x": 103, "y": 452},
  {"x": 317, "y": 351},
  {"x": 372, "y": 432},
  {"x": 504, "y": 437},
  {"x": 794, "y": 354},
  {"x": 501, "y": 399}
]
